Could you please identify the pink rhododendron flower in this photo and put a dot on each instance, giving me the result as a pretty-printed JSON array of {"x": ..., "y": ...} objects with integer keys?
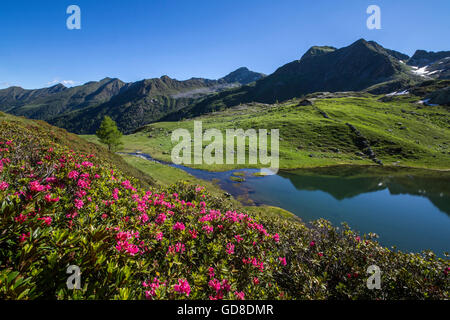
[
  {"x": 87, "y": 164},
  {"x": 83, "y": 184},
  {"x": 240, "y": 295},
  {"x": 115, "y": 194},
  {"x": 127, "y": 184},
  {"x": 160, "y": 218},
  {"x": 208, "y": 229},
  {"x": 21, "y": 218},
  {"x": 211, "y": 272},
  {"x": 214, "y": 284},
  {"x": 230, "y": 248},
  {"x": 79, "y": 203},
  {"x": 149, "y": 294},
  {"x": 73, "y": 174},
  {"x": 193, "y": 233},
  {"x": 178, "y": 248},
  {"x": 3, "y": 185},
  {"x": 282, "y": 260},
  {"x": 143, "y": 217},
  {"x": 35, "y": 186},
  {"x": 46, "y": 220},
  {"x": 51, "y": 180},
  {"x": 182, "y": 287},
  {"x": 178, "y": 226},
  {"x": 49, "y": 198},
  {"x": 132, "y": 249},
  {"x": 276, "y": 237},
  {"x": 23, "y": 237}
]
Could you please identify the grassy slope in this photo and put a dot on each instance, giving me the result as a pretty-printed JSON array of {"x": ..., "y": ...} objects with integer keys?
[
  {"x": 74, "y": 142},
  {"x": 148, "y": 173},
  {"x": 400, "y": 132}
]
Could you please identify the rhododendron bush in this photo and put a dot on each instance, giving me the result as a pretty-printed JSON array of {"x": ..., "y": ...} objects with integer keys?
[{"x": 60, "y": 207}]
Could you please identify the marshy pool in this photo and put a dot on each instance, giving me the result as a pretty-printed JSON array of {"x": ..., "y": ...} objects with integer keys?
[{"x": 407, "y": 208}]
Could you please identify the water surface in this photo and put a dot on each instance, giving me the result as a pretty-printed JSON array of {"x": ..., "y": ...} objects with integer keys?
[{"x": 409, "y": 209}]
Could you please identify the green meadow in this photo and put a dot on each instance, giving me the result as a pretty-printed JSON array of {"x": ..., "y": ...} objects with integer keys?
[{"x": 401, "y": 132}]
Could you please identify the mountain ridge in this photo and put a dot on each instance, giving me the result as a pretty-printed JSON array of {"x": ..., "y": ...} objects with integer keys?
[{"x": 144, "y": 99}]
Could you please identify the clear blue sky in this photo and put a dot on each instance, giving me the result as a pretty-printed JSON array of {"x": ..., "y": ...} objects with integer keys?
[{"x": 133, "y": 40}]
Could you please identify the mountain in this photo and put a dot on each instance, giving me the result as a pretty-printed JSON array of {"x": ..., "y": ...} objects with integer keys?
[
  {"x": 143, "y": 102},
  {"x": 430, "y": 65},
  {"x": 81, "y": 108},
  {"x": 242, "y": 76},
  {"x": 351, "y": 68},
  {"x": 422, "y": 58},
  {"x": 17, "y": 96},
  {"x": 317, "y": 51},
  {"x": 356, "y": 67},
  {"x": 149, "y": 100},
  {"x": 48, "y": 102}
]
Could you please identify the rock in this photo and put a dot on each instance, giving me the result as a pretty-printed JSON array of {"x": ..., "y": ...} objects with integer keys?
[
  {"x": 323, "y": 113},
  {"x": 305, "y": 102}
]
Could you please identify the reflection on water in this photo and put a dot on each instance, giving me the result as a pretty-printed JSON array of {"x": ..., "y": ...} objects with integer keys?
[{"x": 406, "y": 208}]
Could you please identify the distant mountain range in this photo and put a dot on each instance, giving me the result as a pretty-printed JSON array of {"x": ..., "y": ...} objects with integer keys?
[
  {"x": 80, "y": 109},
  {"x": 363, "y": 65}
]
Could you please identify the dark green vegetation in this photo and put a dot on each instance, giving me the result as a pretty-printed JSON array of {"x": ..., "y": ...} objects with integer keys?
[
  {"x": 61, "y": 207},
  {"x": 46, "y": 103},
  {"x": 80, "y": 109}
]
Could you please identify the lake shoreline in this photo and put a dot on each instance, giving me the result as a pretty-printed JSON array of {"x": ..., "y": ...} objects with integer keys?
[{"x": 337, "y": 165}]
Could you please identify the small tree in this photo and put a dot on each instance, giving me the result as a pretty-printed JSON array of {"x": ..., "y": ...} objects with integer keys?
[{"x": 109, "y": 134}]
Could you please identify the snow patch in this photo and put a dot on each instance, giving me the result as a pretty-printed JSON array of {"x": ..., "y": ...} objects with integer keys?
[
  {"x": 420, "y": 71},
  {"x": 395, "y": 93},
  {"x": 425, "y": 102}
]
